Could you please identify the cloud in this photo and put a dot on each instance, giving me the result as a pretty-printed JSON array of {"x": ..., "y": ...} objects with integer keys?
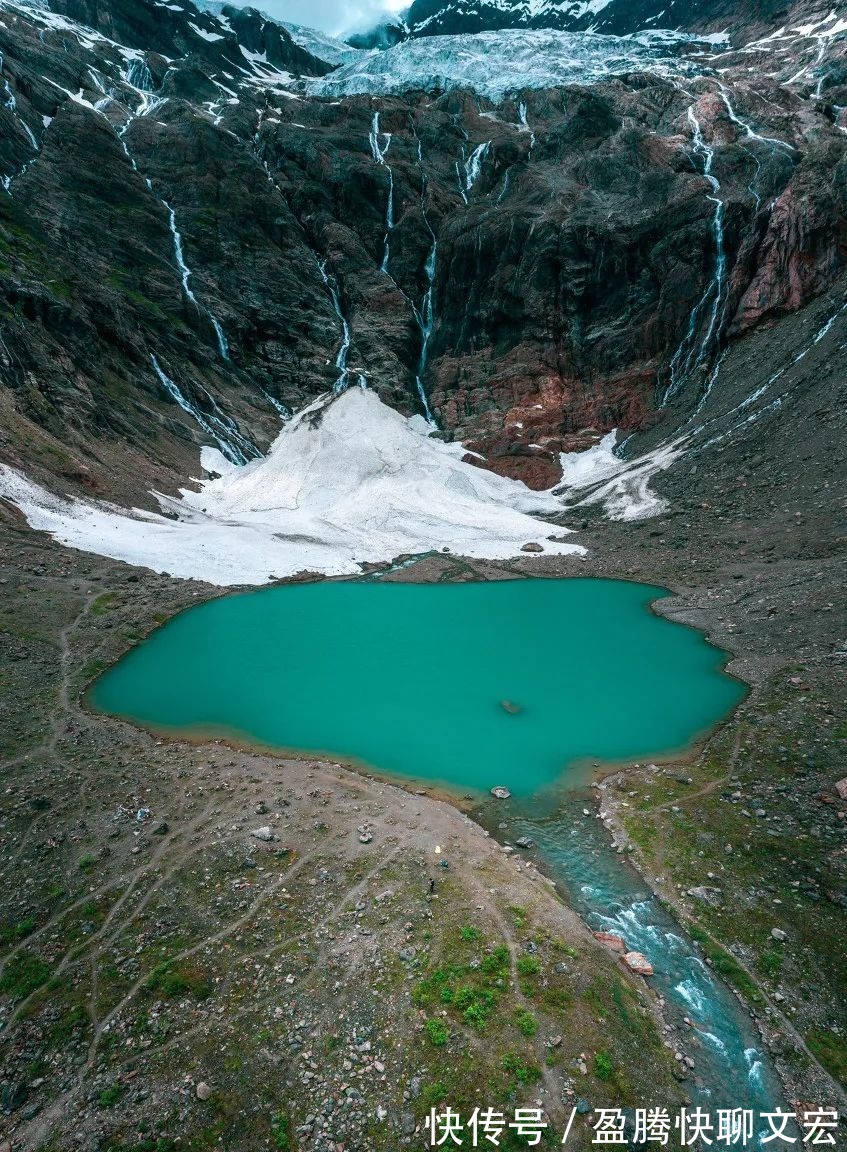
[{"x": 337, "y": 17}]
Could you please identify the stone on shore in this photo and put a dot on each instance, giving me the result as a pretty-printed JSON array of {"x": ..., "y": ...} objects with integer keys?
[{"x": 637, "y": 962}]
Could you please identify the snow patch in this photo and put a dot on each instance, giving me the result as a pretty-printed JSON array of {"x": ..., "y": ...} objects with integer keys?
[
  {"x": 621, "y": 486},
  {"x": 348, "y": 480}
]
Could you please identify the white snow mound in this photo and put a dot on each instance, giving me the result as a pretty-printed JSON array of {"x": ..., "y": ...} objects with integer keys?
[{"x": 348, "y": 480}]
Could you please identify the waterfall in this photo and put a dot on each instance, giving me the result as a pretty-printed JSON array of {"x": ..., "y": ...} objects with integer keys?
[
  {"x": 222, "y": 428},
  {"x": 185, "y": 273},
  {"x": 137, "y": 75},
  {"x": 341, "y": 383},
  {"x": 379, "y": 154},
  {"x": 11, "y": 104},
  {"x": 468, "y": 171},
  {"x": 426, "y": 319},
  {"x": 474, "y": 165},
  {"x": 284, "y": 413},
  {"x": 772, "y": 142},
  {"x": 223, "y": 343},
  {"x": 692, "y": 352},
  {"x": 524, "y": 127},
  {"x": 425, "y": 315}
]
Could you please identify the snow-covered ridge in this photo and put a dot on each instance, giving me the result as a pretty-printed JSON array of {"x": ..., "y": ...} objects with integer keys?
[
  {"x": 324, "y": 47},
  {"x": 496, "y": 63}
]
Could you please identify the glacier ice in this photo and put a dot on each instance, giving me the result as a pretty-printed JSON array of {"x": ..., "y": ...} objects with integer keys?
[{"x": 496, "y": 63}]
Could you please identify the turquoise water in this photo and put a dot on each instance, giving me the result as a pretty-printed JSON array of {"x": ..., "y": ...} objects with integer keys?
[{"x": 412, "y": 678}]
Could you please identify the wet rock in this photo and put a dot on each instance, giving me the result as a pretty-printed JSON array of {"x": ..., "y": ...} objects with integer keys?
[
  {"x": 612, "y": 940},
  {"x": 637, "y": 962},
  {"x": 582, "y": 1106},
  {"x": 526, "y": 842},
  {"x": 510, "y": 707},
  {"x": 500, "y": 793}
]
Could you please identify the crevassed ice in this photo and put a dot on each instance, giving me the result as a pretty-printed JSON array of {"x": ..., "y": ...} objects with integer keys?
[{"x": 495, "y": 63}]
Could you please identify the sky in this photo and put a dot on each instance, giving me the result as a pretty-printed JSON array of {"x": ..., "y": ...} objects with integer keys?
[{"x": 337, "y": 17}]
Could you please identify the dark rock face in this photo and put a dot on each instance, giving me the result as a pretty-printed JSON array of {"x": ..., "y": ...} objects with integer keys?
[
  {"x": 192, "y": 245},
  {"x": 746, "y": 20}
]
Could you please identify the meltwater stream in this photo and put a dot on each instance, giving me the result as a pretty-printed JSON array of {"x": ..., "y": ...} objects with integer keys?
[{"x": 730, "y": 1070}]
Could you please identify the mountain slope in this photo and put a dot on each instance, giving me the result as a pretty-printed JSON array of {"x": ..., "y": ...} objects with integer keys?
[
  {"x": 197, "y": 241},
  {"x": 745, "y": 21}
]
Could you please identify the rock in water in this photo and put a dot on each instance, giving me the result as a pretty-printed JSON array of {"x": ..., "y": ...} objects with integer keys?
[
  {"x": 510, "y": 707},
  {"x": 613, "y": 941},
  {"x": 637, "y": 962},
  {"x": 500, "y": 793}
]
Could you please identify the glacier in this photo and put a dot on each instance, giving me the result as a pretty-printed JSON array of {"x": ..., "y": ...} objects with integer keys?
[{"x": 495, "y": 64}]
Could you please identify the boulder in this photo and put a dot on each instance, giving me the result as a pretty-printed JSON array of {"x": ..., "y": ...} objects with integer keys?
[
  {"x": 841, "y": 788},
  {"x": 712, "y": 896},
  {"x": 637, "y": 962},
  {"x": 500, "y": 793},
  {"x": 613, "y": 941}
]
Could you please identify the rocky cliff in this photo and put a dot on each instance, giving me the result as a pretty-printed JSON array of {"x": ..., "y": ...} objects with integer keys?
[{"x": 203, "y": 225}]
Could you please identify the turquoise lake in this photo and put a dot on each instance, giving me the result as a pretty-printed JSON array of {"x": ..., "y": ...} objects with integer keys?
[{"x": 411, "y": 678}]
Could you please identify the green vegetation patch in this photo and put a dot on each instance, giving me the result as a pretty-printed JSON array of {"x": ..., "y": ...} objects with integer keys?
[
  {"x": 470, "y": 990},
  {"x": 831, "y": 1050},
  {"x": 174, "y": 980},
  {"x": 13, "y": 933},
  {"x": 23, "y": 975}
]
